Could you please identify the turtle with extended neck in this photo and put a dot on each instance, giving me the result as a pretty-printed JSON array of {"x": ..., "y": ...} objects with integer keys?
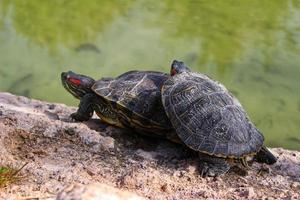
[{"x": 131, "y": 100}]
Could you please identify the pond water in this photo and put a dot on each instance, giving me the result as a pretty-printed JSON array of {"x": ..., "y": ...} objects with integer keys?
[{"x": 251, "y": 46}]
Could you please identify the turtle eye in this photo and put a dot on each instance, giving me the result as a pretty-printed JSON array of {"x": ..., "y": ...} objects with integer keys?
[{"x": 74, "y": 81}]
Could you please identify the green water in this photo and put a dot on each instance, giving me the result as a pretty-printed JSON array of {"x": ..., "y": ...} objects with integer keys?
[{"x": 251, "y": 46}]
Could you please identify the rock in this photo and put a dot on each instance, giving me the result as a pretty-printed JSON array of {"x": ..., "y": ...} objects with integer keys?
[
  {"x": 108, "y": 143},
  {"x": 146, "y": 155},
  {"x": 95, "y": 192},
  {"x": 248, "y": 193},
  {"x": 192, "y": 169},
  {"x": 51, "y": 131},
  {"x": 60, "y": 152}
]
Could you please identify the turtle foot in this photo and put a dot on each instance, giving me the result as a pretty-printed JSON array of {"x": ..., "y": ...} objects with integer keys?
[
  {"x": 212, "y": 170},
  {"x": 212, "y": 166},
  {"x": 79, "y": 117}
]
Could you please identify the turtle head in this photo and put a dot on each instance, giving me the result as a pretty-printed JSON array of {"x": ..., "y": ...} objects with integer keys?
[
  {"x": 78, "y": 85},
  {"x": 178, "y": 67}
]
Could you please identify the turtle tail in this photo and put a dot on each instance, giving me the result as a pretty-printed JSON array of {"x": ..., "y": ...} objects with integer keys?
[{"x": 265, "y": 156}]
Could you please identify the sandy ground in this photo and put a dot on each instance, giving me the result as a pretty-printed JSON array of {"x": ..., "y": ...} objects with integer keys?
[{"x": 61, "y": 153}]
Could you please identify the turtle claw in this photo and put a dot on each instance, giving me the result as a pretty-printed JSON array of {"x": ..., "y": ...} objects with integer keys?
[
  {"x": 208, "y": 170},
  {"x": 212, "y": 166},
  {"x": 75, "y": 117},
  {"x": 72, "y": 118},
  {"x": 204, "y": 170}
]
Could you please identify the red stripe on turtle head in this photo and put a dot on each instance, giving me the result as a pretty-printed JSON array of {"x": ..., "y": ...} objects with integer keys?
[
  {"x": 173, "y": 71},
  {"x": 74, "y": 81}
]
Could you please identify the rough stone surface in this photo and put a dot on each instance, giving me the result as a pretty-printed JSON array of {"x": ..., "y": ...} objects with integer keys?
[
  {"x": 95, "y": 192},
  {"x": 60, "y": 153}
]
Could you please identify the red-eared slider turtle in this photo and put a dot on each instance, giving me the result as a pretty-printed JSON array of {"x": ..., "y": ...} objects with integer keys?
[
  {"x": 209, "y": 120},
  {"x": 205, "y": 116},
  {"x": 131, "y": 100}
]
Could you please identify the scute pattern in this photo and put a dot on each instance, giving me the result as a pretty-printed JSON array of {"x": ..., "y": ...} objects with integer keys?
[
  {"x": 208, "y": 145},
  {"x": 207, "y": 117},
  {"x": 137, "y": 93}
]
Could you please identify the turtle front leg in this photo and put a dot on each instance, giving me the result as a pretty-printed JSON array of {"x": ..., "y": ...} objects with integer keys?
[
  {"x": 212, "y": 166},
  {"x": 85, "y": 109}
]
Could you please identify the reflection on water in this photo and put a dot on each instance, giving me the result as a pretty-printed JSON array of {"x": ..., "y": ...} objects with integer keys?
[{"x": 252, "y": 47}]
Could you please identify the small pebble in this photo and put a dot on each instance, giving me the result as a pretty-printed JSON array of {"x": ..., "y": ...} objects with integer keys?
[
  {"x": 109, "y": 143},
  {"x": 192, "y": 169},
  {"x": 165, "y": 188},
  {"x": 51, "y": 106},
  {"x": 51, "y": 115},
  {"x": 70, "y": 131},
  {"x": 247, "y": 192}
]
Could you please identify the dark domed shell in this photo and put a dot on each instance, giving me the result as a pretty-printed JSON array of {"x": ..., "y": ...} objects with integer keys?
[
  {"x": 137, "y": 95},
  {"x": 207, "y": 117}
]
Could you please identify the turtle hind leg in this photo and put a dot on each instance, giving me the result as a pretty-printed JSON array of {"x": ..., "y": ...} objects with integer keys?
[
  {"x": 212, "y": 166},
  {"x": 265, "y": 156},
  {"x": 244, "y": 163}
]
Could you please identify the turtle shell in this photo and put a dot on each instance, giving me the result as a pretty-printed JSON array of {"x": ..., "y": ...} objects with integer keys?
[
  {"x": 136, "y": 96},
  {"x": 208, "y": 118}
]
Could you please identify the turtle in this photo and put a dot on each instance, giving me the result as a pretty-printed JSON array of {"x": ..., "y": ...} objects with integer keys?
[
  {"x": 151, "y": 103},
  {"x": 131, "y": 100},
  {"x": 211, "y": 121}
]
